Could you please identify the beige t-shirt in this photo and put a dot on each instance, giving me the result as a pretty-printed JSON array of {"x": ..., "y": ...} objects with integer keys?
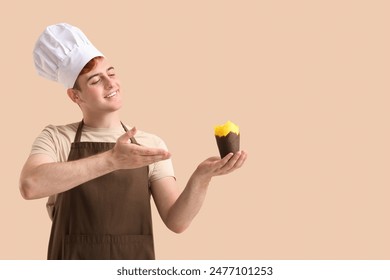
[{"x": 55, "y": 141}]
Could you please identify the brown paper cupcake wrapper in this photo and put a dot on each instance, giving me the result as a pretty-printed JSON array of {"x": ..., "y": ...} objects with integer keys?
[{"x": 228, "y": 144}]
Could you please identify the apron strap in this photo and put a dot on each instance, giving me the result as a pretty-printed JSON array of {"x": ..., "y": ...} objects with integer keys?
[
  {"x": 124, "y": 127},
  {"x": 78, "y": 132}
]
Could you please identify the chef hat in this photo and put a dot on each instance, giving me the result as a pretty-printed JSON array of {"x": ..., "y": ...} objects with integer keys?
[{"x": 61, "y": 52}]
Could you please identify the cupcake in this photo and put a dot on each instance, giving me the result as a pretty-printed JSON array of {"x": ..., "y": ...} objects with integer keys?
[{"x": 228, "y": 138}]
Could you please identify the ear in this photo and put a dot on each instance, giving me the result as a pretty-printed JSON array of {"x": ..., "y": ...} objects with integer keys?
[{"x": 73, "y": 95}]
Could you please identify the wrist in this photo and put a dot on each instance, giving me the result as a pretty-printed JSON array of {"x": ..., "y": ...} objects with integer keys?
[
  {"x": 201, "y": 178},
  {"x": 109, "y": 160}
]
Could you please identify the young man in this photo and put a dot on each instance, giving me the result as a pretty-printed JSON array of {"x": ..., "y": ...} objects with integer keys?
[{"x": 99, "y": 174}]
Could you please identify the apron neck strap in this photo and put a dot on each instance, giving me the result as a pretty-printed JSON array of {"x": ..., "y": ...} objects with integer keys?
[
  {"x": 78, "y": 132},
  {"x": 124, "y": 127}
]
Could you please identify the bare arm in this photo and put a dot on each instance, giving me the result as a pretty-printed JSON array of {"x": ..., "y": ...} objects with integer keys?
[
  {"x": 42, "y": 177},
  {"x": 176, "y": 209}
]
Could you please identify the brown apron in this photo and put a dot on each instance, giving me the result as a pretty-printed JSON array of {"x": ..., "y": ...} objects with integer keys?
[{"x": 108, "y": 217}]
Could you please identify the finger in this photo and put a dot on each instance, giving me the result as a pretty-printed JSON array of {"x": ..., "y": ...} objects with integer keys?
[
  {"x": 214, "y": 159},
  {"x": 155, "y": 158},
  {"x": 234, "y": 163},
  {"x": 224, "y": 160},
  {"x": 231, "y": 163},
  {"x": 240, "y": 161},
  {"x": 161, "y": 154},
  {"x": 145, "y": 151},
  {"x": 127, "y": 135}
]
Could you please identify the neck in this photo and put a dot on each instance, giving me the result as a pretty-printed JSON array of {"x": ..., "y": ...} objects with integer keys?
[{"x": 102, "y": 121}]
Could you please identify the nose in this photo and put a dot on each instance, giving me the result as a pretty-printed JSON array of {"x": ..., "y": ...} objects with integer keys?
[{"x": 109, "y": 83}]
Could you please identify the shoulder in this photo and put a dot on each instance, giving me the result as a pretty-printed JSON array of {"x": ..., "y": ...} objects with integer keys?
[
  {"x": 60, "y": 131},
  {"x": 152, "y": 138}
]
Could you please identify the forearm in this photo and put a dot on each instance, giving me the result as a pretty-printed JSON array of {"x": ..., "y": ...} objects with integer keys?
[
  {"x": 188, "y": 204},
  {"x": 55, "y": 177}
]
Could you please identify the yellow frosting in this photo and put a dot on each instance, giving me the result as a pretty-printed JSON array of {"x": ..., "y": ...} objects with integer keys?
[{"x": 223, "y": 130}]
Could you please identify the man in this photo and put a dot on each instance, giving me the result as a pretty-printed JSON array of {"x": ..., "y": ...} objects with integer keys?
[{"x": 98, "y": 174}]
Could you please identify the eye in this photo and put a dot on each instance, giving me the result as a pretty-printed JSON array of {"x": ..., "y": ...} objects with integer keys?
[{"x": 95, "y": 81}]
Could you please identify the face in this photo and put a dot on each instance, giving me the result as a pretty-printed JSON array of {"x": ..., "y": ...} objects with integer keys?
[{"x": 99, "y": 90}]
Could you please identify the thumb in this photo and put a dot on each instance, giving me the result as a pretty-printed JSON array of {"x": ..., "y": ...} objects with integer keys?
[{"x": 127, "y": 135}]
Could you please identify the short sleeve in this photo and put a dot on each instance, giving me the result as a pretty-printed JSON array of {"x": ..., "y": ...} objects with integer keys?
[
  {"x": 53, "y": 142},
  {"x": 162, "y": 168},
  {"x": 45, "y": 143}
]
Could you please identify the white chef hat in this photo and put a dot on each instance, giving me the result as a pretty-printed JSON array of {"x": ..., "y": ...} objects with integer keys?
[{"x": 61, "y": 52}]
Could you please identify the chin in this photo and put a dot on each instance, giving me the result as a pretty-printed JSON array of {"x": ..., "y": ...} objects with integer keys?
[{"x": 116, "y": 108}]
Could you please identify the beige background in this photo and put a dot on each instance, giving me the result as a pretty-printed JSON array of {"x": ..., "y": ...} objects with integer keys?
[{"x": 307, "y": 81}]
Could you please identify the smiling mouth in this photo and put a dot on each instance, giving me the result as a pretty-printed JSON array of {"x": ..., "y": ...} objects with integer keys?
[{"x": 112, "y": 94}]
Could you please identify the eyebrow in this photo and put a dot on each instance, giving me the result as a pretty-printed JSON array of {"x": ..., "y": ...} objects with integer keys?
[{"x": 97, "y": 74}]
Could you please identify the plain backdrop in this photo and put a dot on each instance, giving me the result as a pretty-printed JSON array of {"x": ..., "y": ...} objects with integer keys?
[{"x": 306, "y": 81}]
